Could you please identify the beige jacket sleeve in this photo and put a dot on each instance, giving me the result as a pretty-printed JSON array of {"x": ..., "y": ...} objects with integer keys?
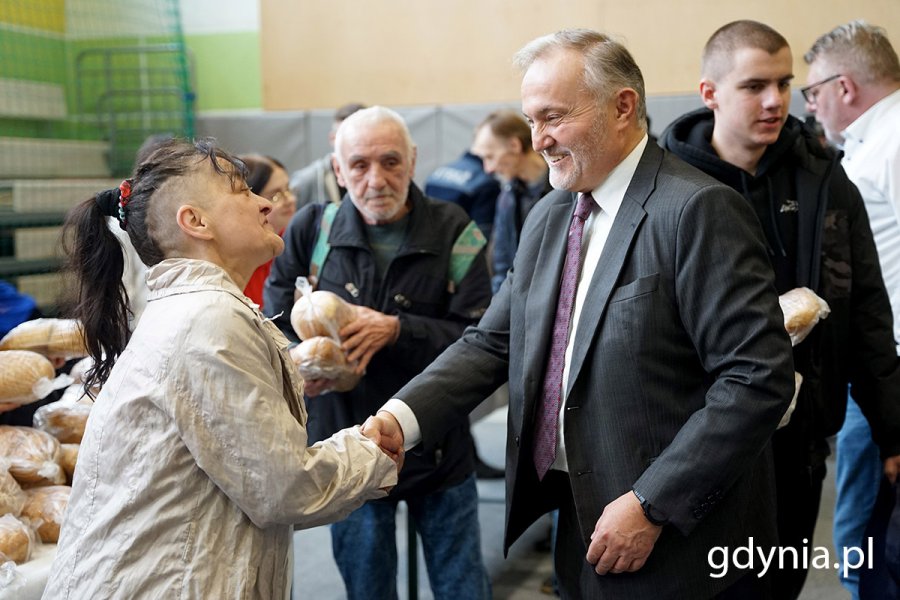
[{"x": 227, "y": 402}]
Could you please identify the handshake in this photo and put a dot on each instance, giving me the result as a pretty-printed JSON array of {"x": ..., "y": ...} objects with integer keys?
[{"x": 384, "y": 430}]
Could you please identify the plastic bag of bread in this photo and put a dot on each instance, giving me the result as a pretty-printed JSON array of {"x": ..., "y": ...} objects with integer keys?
[
  {"x": 65, "y": 419},
  {"x": 17, "y": 539},
  {"x": 25, "y": 377},
  {"x": 319, "y": 313},
  {"x": 321, "y": 357},
  {"x": 12, "y": 498},
  {"x": 802, "y": 309},
  {"x": 54, "y": 338},
  {"x": 79, "y": 369},
  {"x": 45, "y": 509},
  {"x": 68, "y": 458},
  {"x": 32, "y": 455}
]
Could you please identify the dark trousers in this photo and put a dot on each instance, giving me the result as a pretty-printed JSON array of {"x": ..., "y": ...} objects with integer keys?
[{"x": 798, "y": 491}]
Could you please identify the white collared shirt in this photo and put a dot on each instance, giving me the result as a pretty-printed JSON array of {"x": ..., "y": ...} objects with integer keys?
[
  {"x": 872, "y": 162},
  {"x": 608, "y": 197}
]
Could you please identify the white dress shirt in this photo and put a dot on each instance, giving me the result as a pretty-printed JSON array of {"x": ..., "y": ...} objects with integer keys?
[
  {"x": 872, "y": 161},
  {"x": 608, "y": 197}
]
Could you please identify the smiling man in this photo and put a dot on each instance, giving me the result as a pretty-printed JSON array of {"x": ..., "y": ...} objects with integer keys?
[
  {"x": 641, "y": 396},
  {"x": 818, "y": 237}
]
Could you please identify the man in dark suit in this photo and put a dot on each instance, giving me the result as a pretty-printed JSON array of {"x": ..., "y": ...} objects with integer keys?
[{"x": 646, "y": 381}]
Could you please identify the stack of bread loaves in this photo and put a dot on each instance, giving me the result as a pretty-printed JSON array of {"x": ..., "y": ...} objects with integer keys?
[
  {"x": 37, "y": 462},
  {"x": 318, "y": 318}
]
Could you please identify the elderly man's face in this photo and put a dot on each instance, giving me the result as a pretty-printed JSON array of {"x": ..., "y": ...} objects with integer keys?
[
  {"x": 376, "y": 166},
  {"x": 568, "y": 125}
]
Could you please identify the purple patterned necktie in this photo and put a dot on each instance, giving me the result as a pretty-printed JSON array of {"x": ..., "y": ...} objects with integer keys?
[{"x": 545, "y": 428}]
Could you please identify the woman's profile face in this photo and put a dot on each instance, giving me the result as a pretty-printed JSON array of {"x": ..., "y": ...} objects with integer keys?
[
  {"x": 242, "y": 235},
  {"x": 284, "y": 204}
]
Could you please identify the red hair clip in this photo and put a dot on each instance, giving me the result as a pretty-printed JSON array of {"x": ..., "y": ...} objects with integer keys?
[{"x": 124, "y": 195}]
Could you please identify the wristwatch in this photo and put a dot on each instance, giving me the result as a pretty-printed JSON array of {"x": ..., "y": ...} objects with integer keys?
[{"x": 653, "y": 515}]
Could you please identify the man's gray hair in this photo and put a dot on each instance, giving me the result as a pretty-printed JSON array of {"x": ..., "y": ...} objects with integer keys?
[
  {"x": 608, "y": 66},
  {"x": 372, "y": 116},
  {"x": 860, "y": 49}
]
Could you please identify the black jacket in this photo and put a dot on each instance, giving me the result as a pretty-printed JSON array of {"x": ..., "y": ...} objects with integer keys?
[
  {"x": 417, "y": 287},
  {"x": 818, "y": 236}
]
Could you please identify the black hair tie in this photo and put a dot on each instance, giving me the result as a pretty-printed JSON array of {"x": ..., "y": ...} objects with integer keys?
[{"x": 108, "y": 201}]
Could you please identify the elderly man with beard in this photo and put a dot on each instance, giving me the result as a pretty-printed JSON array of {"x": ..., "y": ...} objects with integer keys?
[{"x": 415, "y": 269}]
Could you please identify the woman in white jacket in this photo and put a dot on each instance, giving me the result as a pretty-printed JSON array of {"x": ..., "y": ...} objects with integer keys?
[{"x": 194, "y": 468}]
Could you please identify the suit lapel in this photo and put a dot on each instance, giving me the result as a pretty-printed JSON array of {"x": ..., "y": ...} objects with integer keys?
[
  {"x": 615, "y": 252},
  {"x": 540, "y": 306}
]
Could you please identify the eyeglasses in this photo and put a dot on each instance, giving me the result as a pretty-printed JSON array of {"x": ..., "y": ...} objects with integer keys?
[
  {"x": 808, "y": 93},
  {"x": 282, "y": 195}
]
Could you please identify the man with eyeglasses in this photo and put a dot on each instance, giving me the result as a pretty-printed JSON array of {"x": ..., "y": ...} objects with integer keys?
[
  {"x": 854, "y": 92},
  {"x": 818, "y": 237}
]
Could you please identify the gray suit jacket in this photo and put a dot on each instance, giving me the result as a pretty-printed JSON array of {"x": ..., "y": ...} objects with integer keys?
[{"x": 680, "y": 373}]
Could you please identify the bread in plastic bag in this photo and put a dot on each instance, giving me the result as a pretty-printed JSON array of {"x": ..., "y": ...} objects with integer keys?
[
  {"x": 321, "y": 357},
  {"x": 79, "y": 369},
  {"x": 17, "y": 539},
  {"x": 319, "y": 313},
  {"x": 64, "y": 419},
  {"x": 45, "y": 509},
  {"x": 12, "y": 498},
  {"x": 32, "y": 456},
  {"x": 802, "y": 309},
  {"x": 54, "y": 338},
  {"x": 25, "y": 376},
  {"x": 68, "y": 458}
]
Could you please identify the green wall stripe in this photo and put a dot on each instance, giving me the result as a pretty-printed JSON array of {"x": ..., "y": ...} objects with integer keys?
[
  {"x": 32, "y": 57},
  {"x": 226, "y": 70}
]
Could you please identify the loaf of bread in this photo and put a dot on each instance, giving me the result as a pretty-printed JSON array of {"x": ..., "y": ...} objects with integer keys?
[
  {"x": 321, "y": 313},
  {"x": 16, "y": 540},
  {"x": 64, "y": 419},
  {"x": 54, "y": 338},
  {"x": 32, "y": 456},
  {"x": 20, "y": 370},
  {"x": 12, "y": 498},
  {"x": 45, "y": 509},
  {"x": 68, "y": 457},
  {"x": 802, "y": 309},
  {"x": 321, "y": 357}
]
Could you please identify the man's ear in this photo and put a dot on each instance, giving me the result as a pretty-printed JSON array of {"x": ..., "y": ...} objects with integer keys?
[
  {"x": 193, "y": 222},
  {"x": 708, "y": 93},
  {"x": 849, "y": 90},
  {"x": 336, "y": 167},
  {"x": 626, "y": 104},
  {"x": 412, "y": 162}
]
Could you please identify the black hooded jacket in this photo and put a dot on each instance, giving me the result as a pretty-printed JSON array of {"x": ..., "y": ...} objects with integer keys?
[{"x": 818, "y": 236}]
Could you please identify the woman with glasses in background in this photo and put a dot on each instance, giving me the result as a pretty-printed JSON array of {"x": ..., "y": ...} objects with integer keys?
[{"x": 268, "y": 178}]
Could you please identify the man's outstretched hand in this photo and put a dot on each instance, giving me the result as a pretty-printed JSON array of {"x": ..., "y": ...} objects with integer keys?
[{"x": 384, "y": 430}]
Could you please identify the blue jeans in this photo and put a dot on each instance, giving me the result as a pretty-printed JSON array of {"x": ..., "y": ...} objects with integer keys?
[
  {"x": 365, "y": 549},
  {"x": 858, "y": 476}
]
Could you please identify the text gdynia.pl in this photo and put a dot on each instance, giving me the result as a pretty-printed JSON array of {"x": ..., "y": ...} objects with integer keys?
[{"x": 760, "y": 559}]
